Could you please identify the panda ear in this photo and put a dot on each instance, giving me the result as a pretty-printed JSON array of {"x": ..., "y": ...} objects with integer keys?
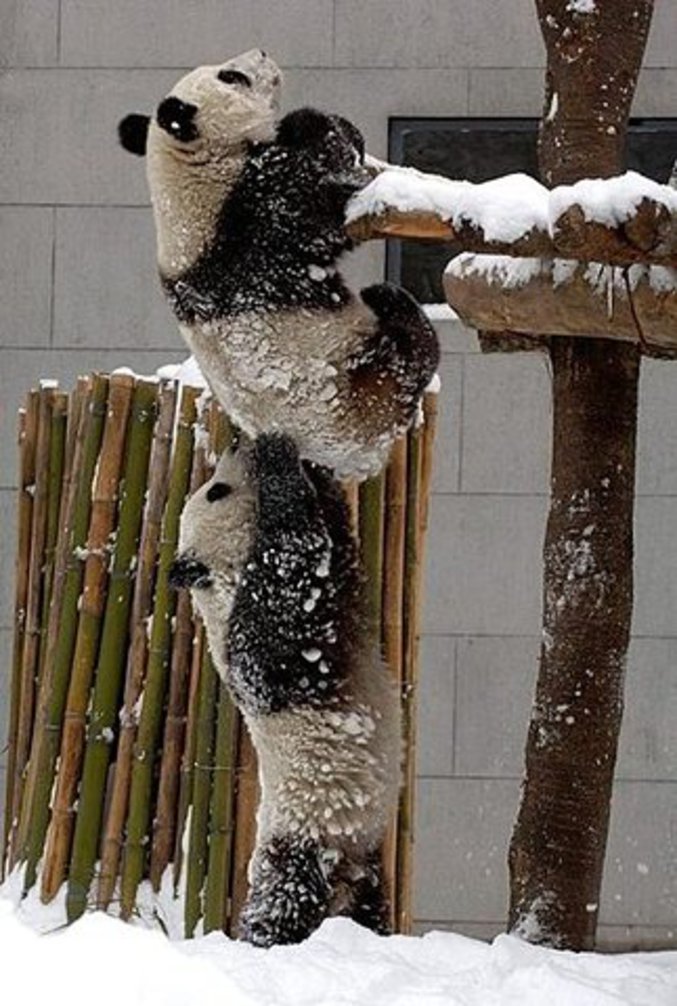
[
  {"x": 133, "y": 133},
  {"x": 303, "y": 127}
]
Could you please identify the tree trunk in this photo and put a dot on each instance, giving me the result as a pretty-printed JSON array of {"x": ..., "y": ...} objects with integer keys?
[{"x": 594, "y": 52}]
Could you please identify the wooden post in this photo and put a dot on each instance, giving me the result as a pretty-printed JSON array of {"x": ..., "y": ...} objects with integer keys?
[{"x": 558, "y": 846}]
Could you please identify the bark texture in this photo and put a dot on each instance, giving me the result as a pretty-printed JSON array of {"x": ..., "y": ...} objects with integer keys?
[{"x": 557, "y": 849}]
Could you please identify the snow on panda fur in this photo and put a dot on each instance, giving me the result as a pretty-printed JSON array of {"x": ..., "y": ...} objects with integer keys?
[
  {"x": 249, "y": 216},
  {"x": 322, "y": 710}
]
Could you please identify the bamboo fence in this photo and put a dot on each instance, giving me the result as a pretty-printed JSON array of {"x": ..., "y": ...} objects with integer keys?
[{"x": 129, "y": 769}]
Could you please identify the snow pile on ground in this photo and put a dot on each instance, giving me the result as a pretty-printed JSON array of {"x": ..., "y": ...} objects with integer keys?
[
  {"x": 507, "y": 208},
  {"x": 104, "y": 960}
]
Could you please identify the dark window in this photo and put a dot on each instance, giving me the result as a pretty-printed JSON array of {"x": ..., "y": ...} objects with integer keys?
[{"x": 479, "y": 149}]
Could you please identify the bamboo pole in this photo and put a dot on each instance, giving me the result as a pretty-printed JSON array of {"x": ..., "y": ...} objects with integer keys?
[
  {"x": 246, "y": 802},
  {"x": 410, "y": 599},
  {"x": 203, "y": 768},
  {"x": 85, "y": 425},
  {"x": 371, "y": 495},
  {"x": 57, "y": 451},
  {"x": 196, "y": 866},
  {"x": 31, "y": 647},
  {"x": 185, "y": 783},
  {"x": 96, "y": 554},
  {"x": 142, "y": 606},
  {"x": 419, "y": 475},
  {"x": 392, "y": 627},
  {"x": 221, "y": 816},
  {"x": 27, "y": 434},
  {"x": 148, "y": 733},
  {"x": 175, "y": 731},
  {"x": 103, "y": 718}
]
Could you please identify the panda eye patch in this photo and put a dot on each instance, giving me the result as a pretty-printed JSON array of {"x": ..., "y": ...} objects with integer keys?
[
  {"x": 177, "y": 118},
  {"x": 234, "y": 77},
  {"x": 218, "y": 491}
]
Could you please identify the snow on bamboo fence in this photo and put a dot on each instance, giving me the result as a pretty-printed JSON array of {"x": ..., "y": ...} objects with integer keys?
[{"x": 127, "y": 762}]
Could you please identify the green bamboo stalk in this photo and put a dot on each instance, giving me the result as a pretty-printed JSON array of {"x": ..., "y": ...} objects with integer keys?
[
  {"x": 371, "y": 546},
  {"x": 196, "y": 867},
  {"x": 108, "y": 677},
  {"x": 31, "y": 647},
  {"x": 202, "y": 469},
  {"x": 246, "y": 802},
  {"x": 412, "y": 558},
  {"x": 169, "y": 811},
  {"x": 138, "y": 818},
  {"x": 221, "y": 815},
  {"x": 73, "y": 636},
  {"x": 26, "y": 444},
  {"x": 142, "y": 605},
  {"x": 57, "y": 457}
]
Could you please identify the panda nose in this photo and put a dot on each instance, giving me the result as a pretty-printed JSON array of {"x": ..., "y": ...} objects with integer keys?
[{"x": 263, "y": 53}]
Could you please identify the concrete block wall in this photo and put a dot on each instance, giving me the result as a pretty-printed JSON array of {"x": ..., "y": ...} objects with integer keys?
[{"x": 78, "y": 291}]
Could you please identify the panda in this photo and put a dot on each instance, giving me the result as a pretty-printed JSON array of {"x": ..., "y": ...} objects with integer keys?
[
  {"x": 294, "y": 647},
  {"x": 250, "y": 214}
]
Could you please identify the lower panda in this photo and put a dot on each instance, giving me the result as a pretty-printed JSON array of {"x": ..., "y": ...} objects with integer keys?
[
  {"x": 250, "y": 221},
  {"x": 322, "y": 709}
]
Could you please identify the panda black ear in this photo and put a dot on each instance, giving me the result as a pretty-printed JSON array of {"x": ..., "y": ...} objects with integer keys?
[
  {"x": 133, "y": 133},
  {"x": 303, "y": 127}
]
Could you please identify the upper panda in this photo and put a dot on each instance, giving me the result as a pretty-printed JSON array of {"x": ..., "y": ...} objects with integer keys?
[
  {"x": 267, "y": 549},
  {"x": 250, "y": 215}
]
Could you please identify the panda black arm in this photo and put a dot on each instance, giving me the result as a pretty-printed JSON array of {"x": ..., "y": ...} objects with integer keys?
[{"x": 284, "y": 643}]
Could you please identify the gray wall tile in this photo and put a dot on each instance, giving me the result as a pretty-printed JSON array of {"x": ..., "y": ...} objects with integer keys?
[
  {"x": 107, "y": 292},
  {"x": 391, "y": 92},
  {"x": 21, "y": 370},
  {"x": 60, "y": 135},
  {"x": 436, "y": 713},
  {"x": 484, "y": 565},
  {"x": 437, "y": 33},
  {"x": 648, "y": 744},
  {"x": 660, "y": 49},
  {"x": 28, "y": 32},
  {"x": 496, "y": 678},
  {"x": 656, "y": 90},
  {"x": 164, "y": 33},
  {"x": 26, "y": 275},
  {"x": 640, "y": 881},
  {"x": 506, "y": 91},
  {"x": 455, "y": 337},
  {"x": 655, "y": 565},
  {"x": 448, "y": 435},
  {"x": 462, "y": 832},
  {"x": 506, "y": 424},
  {"x": 657, "y": 440},
  {"x": 473, "y": 930},
  {"x": 629, "y": 938}
]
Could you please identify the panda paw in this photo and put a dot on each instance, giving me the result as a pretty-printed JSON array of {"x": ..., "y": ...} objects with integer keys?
[
  {"x": 304, "y": 127},
  {"x": 390, "y": 302}
]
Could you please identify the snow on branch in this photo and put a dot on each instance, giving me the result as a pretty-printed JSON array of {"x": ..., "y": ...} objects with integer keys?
[
  {"x": 619, "y": 220},
  {"x": 497, "y": 293}
]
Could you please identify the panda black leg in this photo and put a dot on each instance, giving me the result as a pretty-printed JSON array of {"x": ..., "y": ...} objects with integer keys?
[
  {"x": 289, "y": 894},
  {"x": 285, "y": 495},
  {"x": 371, "y": 903}
]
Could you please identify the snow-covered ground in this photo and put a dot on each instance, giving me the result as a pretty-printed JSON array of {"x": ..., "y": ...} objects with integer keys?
[{"x": 103, "y": 960}]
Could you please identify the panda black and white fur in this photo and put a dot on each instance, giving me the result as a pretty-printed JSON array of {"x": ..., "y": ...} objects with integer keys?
[
  {"x": 249, "y": 215},
  {"x": 321, "y": 708}
]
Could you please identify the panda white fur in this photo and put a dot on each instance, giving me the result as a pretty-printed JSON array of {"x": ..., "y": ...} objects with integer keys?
[
  {"x": 250, "y": 223},
  {"x": 322, "y": 710}
]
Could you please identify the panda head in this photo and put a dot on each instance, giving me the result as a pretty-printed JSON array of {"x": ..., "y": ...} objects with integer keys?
[
  {"x": 210, "y": 112},
  {"x": 217, "y": 527}
]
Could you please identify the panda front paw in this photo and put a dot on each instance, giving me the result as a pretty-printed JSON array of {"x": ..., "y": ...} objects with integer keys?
[
  {"x": 304, "y": 127},
  {"x": 390, "y": 302}
]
